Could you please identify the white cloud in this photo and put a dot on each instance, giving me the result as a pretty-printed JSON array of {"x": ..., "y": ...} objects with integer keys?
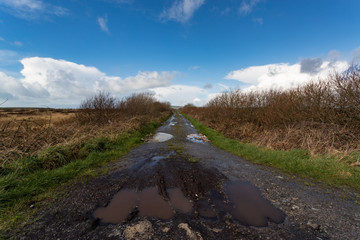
[
  {"x": 63, "y": 83},
  {"x": 179, "y": 95},
  {"x": 182, "y": 10},
  {"x": 31, "y": 9},
  {"x": 284, "y": 75},
  {"x": 247, "y": 6},
  {"x": 102, "y": 21},
  {"x": 142, "y": 81}
]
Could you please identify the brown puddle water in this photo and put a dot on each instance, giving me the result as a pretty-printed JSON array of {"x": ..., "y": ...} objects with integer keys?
[
  {"x": 149, "y": 203},
  {"x": 119, "y": 207},
  {"x": 205, "y": 209},
  {"x": 152, "y": 204},
  {"x": 250, "y": 208},
  {"x": 246, "y": 205},
  {"x": 179, "y": 201}
]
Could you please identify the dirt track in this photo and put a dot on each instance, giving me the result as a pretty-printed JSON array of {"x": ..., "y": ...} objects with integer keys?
[{"x": 221, "y": 197}]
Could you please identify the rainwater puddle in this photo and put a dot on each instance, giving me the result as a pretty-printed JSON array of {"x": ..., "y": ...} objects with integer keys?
[
  {"x": 149, "y": 203},
  {"x": 119, "y": 207},
  {"x": 246, "y": 205},
  {"x": 197, "y": 137},
  {"x": 161, "y": 137},
  {"x": 205, "y": 209},
  {"x": 179, "y": 201},
  {"x": 250, "y": 208},
  {"x": 152, "y": 204}
]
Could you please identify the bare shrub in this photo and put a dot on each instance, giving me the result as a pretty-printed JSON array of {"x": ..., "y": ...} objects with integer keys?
[
  {"x": 322, "y": 116},
  {"x": 97, "y": 109}
]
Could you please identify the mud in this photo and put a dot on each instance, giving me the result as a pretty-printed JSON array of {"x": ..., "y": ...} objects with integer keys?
[{"x": 157, "y": 191}]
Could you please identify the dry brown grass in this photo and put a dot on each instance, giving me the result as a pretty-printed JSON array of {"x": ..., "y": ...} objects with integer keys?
[
  {"x": 322, "y": 117},
  {"x": 27, "y": 132}
]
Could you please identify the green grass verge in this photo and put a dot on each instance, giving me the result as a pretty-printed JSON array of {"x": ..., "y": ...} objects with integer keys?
[
  {"x": 325, "y": 169},
  {"x": 35, "y": 179}
]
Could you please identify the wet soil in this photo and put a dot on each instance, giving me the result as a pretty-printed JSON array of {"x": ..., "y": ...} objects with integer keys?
[{"x": 173, "y": 187}]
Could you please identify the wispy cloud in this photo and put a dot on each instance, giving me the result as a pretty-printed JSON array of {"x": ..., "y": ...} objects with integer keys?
[
  {"x": 259, "y": 21},
  {"x": 181, "y": 11},
  {"x": 194, "y": 67},
  {"x": 16, "y": 43},
  {"x": 102, "y": 21},
  {"x": 8, "y": 57},
  {"x": 247, "y": 6},
  {"x": 31, "y": 9}
]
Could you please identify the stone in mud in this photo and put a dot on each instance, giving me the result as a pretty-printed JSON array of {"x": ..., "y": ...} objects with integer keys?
[
  {"x": 141, "y": 230},
  {"x": 313, "y": 225},
  {"x": 191, "y": 234}
]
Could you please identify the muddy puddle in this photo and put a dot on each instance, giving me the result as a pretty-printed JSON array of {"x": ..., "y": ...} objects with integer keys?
[
  {"x": 243, "y": 201},
  {"x": 161, "y": 137},
  {"x": 250, "y": 207},
  {"x": 147, "y": 202}
]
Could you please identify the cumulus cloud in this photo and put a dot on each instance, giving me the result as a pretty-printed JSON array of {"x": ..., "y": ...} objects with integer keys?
[
  {"x": 102, "y": 21},
  {"x": 181, "y": 11},
  {"x": 247, "y": 6},
  {"x": 284, "y": 75},
  {"x": 31, "y": 9},
  {"x": 180, "y": 95},
  {"x": 61, "y": 83},
  {"x": 311, "y": 65}
]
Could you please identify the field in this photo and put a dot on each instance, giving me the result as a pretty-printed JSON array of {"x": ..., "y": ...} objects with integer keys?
[{"x": 43, "y": 148}]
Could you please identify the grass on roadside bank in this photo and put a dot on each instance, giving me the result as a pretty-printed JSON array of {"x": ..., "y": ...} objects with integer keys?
[
  {"x": 325, "y": 169},
  {"x": 34, "y": 181}
]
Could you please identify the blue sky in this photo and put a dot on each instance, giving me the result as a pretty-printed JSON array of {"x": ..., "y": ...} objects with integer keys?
[{"x": 59, "y": 52}]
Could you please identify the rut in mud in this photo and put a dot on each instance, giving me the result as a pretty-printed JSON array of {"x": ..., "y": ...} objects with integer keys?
[
  {"x": 167, "y": 185},
  {"x": 179, "y": 186}
]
